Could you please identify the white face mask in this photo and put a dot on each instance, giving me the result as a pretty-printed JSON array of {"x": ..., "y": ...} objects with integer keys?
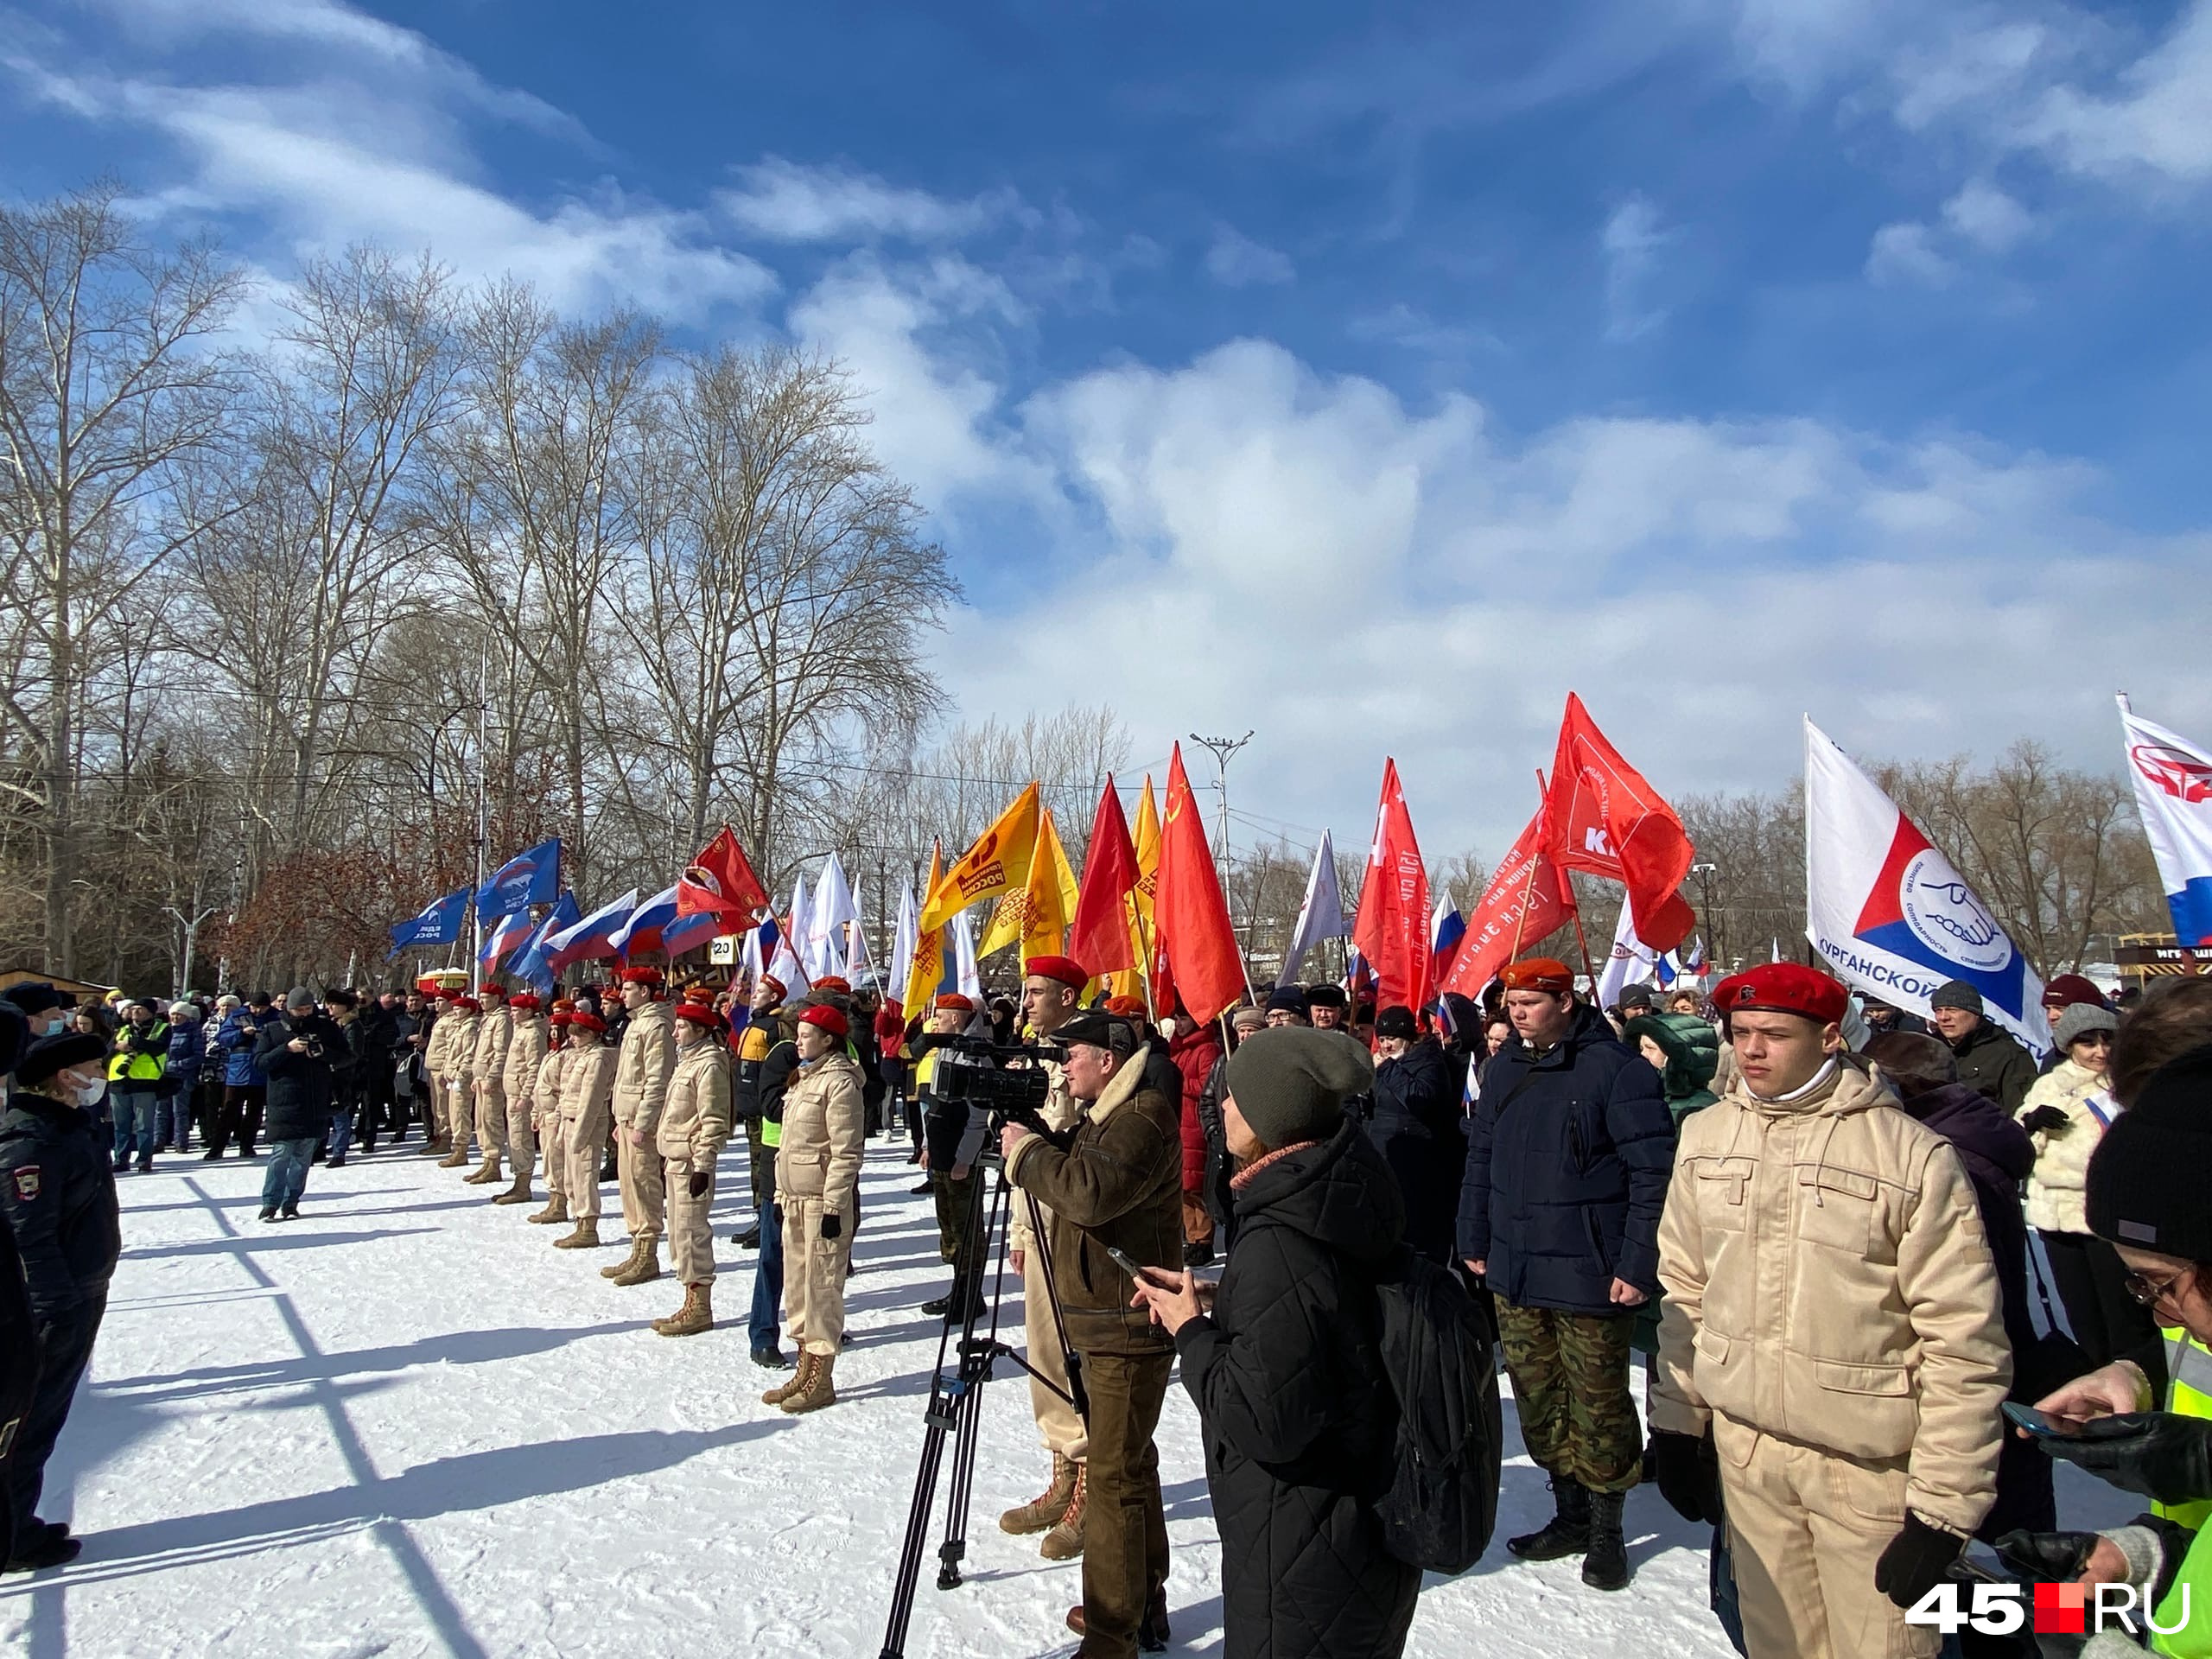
[{"x": 83, "y": 1094}]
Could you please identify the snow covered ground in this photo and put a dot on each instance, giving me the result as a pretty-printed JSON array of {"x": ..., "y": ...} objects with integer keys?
[{"x": 405, "y": 1425}]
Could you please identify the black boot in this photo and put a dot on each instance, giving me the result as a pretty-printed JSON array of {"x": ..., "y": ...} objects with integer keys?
[
  {"x": 1604, "y": 1564},
  {"x": 1568, "y": 1533}
]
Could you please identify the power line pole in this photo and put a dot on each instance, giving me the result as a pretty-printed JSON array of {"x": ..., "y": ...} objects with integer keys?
[{"x": 1225, "y": 750}]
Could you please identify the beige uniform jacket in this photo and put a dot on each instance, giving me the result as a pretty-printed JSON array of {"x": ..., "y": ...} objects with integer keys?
[
  {"x": 459, "y": 1031},
  {"x": 695, "y": 1123},
  {"x": 1828, "y": 1282},
  {"x": 587, "y": 1081},
  {"x": 545, "y": 1088},
  {"x": 824, "y": 1128},
  {"x": 2057, "y": 1186},
  {"x": 648, "y": 1056},
  {"x": 489, "y": 1053},
  {"x": 525, "y": 1053}
]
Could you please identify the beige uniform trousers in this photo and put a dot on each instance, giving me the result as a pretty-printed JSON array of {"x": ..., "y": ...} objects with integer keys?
[
  {"x": 491, "y": 1118},
  {"x": 461, "y": 1112},
  {"x": 1058, "y": 1425},
  {"x": 556, "y": 1156},
  {"x": 1805, "y": 1528},
  {"x": 638, "y": 1170},
  {"x": 580, "y": 1144},
  {"x": 690, "y": 1240},
  {"x": 522, "y": 1138},
  {"x": 814, "y": 1274}
]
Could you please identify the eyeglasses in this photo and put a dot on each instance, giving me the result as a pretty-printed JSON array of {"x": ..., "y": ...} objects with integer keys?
[{"x": 2141, "y": 1289}]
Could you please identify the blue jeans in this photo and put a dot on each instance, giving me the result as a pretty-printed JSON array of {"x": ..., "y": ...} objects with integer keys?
[
  {"x": 342, "y": 1136},
  {"x": 768, "y": 1278},
  {"x": 137, "y": 1118},
  {"x": 286, "y": 1177},
  {"x": 179, "y": 1119}
]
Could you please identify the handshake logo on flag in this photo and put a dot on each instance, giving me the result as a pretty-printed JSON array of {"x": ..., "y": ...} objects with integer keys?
[{"x": 2003, "y": 1609}]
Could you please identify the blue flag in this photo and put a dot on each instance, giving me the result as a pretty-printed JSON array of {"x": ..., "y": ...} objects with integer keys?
[
  {"x": 530, "y": 964},
  {"x": 532, "y": 876},
  {"x": 438, "y": 923}
]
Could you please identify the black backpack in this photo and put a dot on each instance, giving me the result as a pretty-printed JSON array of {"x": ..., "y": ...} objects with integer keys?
[{"x": 1439, "y": 1350}]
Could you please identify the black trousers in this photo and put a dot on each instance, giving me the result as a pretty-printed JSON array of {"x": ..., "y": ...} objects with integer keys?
[
  {"x": 65, "y": 1349},
  {"x": 241, "y": 1119},
  {"x": 2092, "y": 1282}
]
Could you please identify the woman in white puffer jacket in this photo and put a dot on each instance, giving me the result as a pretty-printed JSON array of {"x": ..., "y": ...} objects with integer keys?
[{"x": 2065, "y": 1112}]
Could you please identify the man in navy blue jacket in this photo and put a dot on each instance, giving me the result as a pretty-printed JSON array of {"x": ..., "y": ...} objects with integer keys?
[{"x": 1568, "y": 1159}]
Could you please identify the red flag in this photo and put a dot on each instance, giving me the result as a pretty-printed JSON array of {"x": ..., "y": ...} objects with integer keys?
[
  {"x": 1605, "y": 820},
  {"x": 1100, "y": 938},
  {"x": 1195, "y": 936},
  {"x": 720, "y": 880},
  {"x": 1391, "y": 929},
  {"x": 1525, "y": 901}
]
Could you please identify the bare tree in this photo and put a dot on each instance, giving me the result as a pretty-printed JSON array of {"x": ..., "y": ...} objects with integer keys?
[{"x": 107, "y": 384}]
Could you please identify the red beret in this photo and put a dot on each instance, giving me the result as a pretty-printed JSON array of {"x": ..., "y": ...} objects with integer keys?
[
  {"x": 562, "y": 1017},
  {"x": 643, "y": 974},
  {"x": 770, "y": 979},
  {"x": 525, "y": 1000},
  {"x": 827, "y": 1017},
  {"x": 834, "y": 983},
  {"x": 585, "y": 1019},
  {"x": 467, "y": 1004},
  {"x": 699, "y": 1014},
  {"x": 1783, "y": 988},
  {"x": 953, "y": 1002},
  {"x": 500, "y": 991},
  {"x": 1539, "y": 974},
  {"x": 563, "y": 1005},
  {"x": 1129, "y": 1008},
  {"x": 1066, "y": 969}
]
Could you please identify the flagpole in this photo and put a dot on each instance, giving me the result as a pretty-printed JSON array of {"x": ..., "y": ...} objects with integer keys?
[
  {"x": 483, "y": 828},
  {"x": 1529, "y": 888}
]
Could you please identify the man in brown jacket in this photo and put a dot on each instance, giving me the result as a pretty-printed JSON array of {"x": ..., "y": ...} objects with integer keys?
[
  {"x": 587, "y": 1093},
  {"x": 1832, "y": 1324},
  {"x": 1116, "y": 1185},
  {"x": 526, "y": 1047},
  {"x": 693, "y": 1127},
  {"x": 641, "y": 1074},
  {"x": 825, "y": 1133},
  {"x": 487, "y": 1065}
]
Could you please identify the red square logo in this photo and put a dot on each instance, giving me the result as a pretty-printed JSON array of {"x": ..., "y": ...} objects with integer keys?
[{"x": 2062, "y": 1610}]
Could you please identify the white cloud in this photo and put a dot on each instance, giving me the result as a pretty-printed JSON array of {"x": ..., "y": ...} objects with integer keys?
[
  {"x": 1235, "y": 260},
  {"x": 1630, "y": 243},
  {"x": 1905, "y": 254},
  {"x": 1989, "y": 218},
  {"x": 2156, "y": 121},
  {"x": 786, "y": 202}
]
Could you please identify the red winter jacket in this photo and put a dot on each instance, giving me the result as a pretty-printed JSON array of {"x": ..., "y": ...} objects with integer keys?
[{"x": 1194, "y": 1053}]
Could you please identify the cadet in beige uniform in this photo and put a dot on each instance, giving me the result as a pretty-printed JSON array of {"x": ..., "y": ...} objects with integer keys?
[
  {"x": 586, "y": 1092},
  {"x": 693, "y": 1127},
  {"x": 519, "y": 1084},
  {"x": 445, "y": 1020},
  {"x": 486, "y": 1085},
  {"x": 545, "y": 1110},
  {"x": 1051, "y": 988},
  {"x": 818, "y": 1188},
  {"x": 459, "y": 1028},
  {"x": 641, "y": 1072}
]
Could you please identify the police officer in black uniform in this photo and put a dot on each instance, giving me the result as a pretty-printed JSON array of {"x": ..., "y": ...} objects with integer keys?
[{"x": 57, "y": 1194}]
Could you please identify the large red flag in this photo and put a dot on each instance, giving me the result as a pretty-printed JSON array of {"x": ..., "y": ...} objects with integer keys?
[
  {"x": 1100, "y": 938},
  {"x": 1604, "y": 819},
  {"x": 1525, "y": 901},
  {"x": 1196, "y": 935},
  {"x": 720, "y": 880},
  {"x": 1391, "y": 929}
]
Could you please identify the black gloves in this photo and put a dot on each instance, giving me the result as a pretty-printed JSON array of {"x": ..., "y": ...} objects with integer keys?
[
  {"x": 2039, "y": 1557},
  {"x": 698, "y": 1184},
  {"x": 1689, "y": 1474},
  {"x": 2154, "y": 1453},
  {"x": 1917, "y": 1560},
  {"x": 833, "y": 1226},
  {"x": 2046, "y": 1120}
]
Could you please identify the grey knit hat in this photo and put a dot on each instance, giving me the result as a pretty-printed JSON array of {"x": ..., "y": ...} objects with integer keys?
[
  {"x": 1956, "y": 994},
  {"x": 1290, "y": 1082},
  {"x": 299, "y": 997},
  {"x": 2080, "y": 1021}
]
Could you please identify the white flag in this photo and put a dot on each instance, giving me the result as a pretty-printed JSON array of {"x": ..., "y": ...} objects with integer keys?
[
  {"x": 857, "y": 960},
  {"x": 1890, "y": 914},
  {"x": 1322, "y": 915},
  {"x": 791, "y": 950},
  {"x": 904, "y": 941},
  {"x": 825, "y": 922},
  {"x": 1632, "y": 963},
  {"x": 2173, "y": 789},
  {"x": 964, "y": 956}
]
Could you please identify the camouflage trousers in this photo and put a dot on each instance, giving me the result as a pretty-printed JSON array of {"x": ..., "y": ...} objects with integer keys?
[{"x": 1571, "y": 1390}]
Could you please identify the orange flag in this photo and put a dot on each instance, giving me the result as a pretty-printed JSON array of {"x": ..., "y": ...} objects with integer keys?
[
  {"x": 1195, "y": 932},
  {"x": 1101, "y": 940},
  {"x": 997, "y": 864}
]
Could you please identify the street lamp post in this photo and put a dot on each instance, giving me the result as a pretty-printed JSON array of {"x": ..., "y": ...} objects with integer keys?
[{"x": 1705, "y": 873}]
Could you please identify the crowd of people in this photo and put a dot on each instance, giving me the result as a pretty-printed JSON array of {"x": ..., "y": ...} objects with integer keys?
[{"x": 1842, "y": 1237}]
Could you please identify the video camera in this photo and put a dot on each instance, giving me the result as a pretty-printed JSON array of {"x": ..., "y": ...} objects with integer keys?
[{"x": 977, "y": 1072}]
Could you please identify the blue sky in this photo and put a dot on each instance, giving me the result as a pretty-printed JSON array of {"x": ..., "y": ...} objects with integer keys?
[{"x": 1366, "y": 376}]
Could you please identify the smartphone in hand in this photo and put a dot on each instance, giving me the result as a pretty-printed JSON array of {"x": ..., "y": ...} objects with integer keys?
[{"x": 2039, "y": 1423}]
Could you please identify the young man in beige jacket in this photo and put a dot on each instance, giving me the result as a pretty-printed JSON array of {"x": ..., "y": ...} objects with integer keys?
[
  {"x": 526, "y": 1045},
  {"x": 642, "y": 1068},
  {"x": 487, "y": 1065},
  {"x": 1832, "y": 1357},
  {"x": 693, "y": 1129},
  {"x": 818, "y": 1188},
  {"x": 587, "y": 1094}
]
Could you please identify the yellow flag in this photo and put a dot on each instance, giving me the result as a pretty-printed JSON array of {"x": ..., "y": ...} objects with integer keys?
[
  {"x": 927, "y": 972},
  {"x": 996, "y": 865},
  {"x": 1038, "y": 913}
]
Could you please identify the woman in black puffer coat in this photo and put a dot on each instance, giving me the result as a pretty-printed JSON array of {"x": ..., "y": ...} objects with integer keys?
[
  {"x": 1419, "y": 1129},
  {"x": 1294, "y": 1407}
]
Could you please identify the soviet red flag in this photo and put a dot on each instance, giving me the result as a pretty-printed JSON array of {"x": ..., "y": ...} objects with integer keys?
[
  {"x": 721, "y": 881},
  {"x": 1391, "y": 929},
  {"x": 1604, "y": 819}
]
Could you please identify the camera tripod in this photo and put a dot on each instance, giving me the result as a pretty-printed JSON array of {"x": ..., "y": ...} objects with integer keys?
[{"x": 956, "y": 1401}]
